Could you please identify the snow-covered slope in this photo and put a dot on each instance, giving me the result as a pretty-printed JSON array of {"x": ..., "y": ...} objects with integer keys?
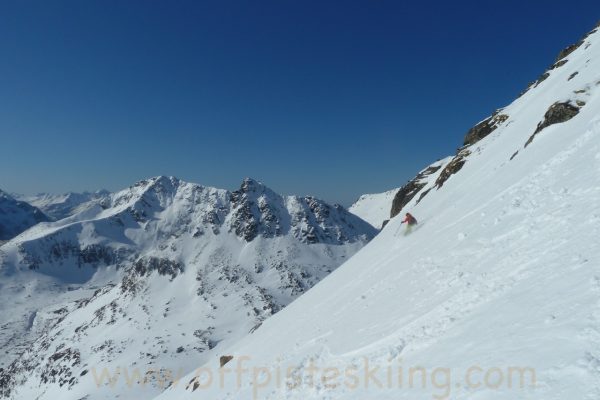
[
  {"x": 374, "y": 208},
  {"x": 17, "y": 216},
  {"x": 59, "y": 206},
  {"x": 496, "y": 294},
  {"x": 162, "y": 276},
  {"x": 377, "y": 208}
]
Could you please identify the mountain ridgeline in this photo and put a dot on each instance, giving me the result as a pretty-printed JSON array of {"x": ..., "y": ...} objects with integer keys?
[
  {"x": 558, "y": 112},
  {"x": 17, "y": 216},
  {"x": 190, "y": 269}
]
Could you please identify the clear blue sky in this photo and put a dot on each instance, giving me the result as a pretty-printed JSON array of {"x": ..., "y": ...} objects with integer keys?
[{"x": 330, "y": 98}]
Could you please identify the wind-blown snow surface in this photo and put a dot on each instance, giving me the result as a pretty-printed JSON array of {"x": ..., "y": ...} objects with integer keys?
[
  {"x": 160, "y": 276},
  {"x": 503, "y": 272},
  {"x": 374, "y": 208}
]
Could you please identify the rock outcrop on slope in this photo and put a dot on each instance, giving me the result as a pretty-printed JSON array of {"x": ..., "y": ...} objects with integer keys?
[{"x": 561, "y": 110}]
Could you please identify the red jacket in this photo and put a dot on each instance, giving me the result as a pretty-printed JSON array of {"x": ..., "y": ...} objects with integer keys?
[{"x": 409, "y": 219}]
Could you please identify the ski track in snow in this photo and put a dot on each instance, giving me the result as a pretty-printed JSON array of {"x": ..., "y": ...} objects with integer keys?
[{"x": 539, "y": 190}]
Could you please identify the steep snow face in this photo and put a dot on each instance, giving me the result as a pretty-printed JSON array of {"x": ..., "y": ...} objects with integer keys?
[
  {"x": 162, "y": 276},
  {"x": 17, "y": 216},
  {"x": 59, "y": 206},
  {"x": 495, "y": 295},
  {"x": 374, "y": 208}
]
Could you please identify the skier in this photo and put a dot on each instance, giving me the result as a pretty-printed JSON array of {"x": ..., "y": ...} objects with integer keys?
[{"x": 410, "y": 222}]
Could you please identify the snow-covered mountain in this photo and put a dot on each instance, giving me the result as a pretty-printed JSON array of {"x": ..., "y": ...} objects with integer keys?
[
  {"x": 495, "y": 295},
  {"x": 59, "y": 206},
  {"x": 160, "y": 276},
  {"x": 17, "y": 216},
  {"x": 374, "y": 208},
  {"x": 378, "y": 208}
]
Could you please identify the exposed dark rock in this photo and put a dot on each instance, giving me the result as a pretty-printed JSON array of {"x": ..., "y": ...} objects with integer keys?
[
  {"x": 405, "y": 195},
  {"x": 573, "y": 75},
  {"x": 56, "y": 250},
  {"x": 453, "y": 167},
  {"x": 255, "y": 327},
  {"x": 568, "y": 50},
  {"x": 244, "y": 223},
  {"x": 429, "y": 170},
  {"x": 132, "y": 281},
  {"x": 514, "y": 154},
  {"x": 410, "y": 190},
  {"x": 529, "y": 86},
  {"x": 59, "y": 367},
  {"x": 484, "y": 128},
  {"x": 559, "y": 64},
  {"x": 251, "y": 214},
  {"x": 224, "y": 360},
  {"x": 96, "y": 254},
  {"x": 556, "y": 114},
  {"x": 290, "y": 280},
  {"x": 423, "y": 195},
  {"x": 384, "y": 223},
  {"x": 257, "y": 210},
  {"x": 144, "y": 266},
  {"x": 541, "y": 79},
  {"x": 205, "y": 342}
]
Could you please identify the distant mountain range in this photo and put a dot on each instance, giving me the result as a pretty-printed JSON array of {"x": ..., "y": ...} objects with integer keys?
[
  {"x": 59, "y": 206},
  {"x": 17, "y": 216},
  {"x": 163, "y": 273}
]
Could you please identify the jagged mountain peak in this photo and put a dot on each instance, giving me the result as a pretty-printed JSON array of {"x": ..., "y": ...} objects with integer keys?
[
  {"x": 191, "y": 268},
  {"x": 161, "y": 212},
  {"x": 158, "y": 191},
  {"x": 252, "y": 189},
  {"x": 158, "y": 184},
  {"x": 160, "y": 181},
  {"x": 253, "y": 185}
]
